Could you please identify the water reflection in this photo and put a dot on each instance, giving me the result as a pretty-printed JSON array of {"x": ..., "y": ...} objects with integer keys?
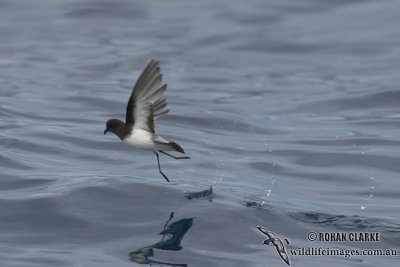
[
  {"x": 172, "y": 236},
  {"x": 208, "y": 193}
]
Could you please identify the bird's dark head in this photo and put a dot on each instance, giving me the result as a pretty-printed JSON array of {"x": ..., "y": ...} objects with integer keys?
[{"x": 113, "y": 126}]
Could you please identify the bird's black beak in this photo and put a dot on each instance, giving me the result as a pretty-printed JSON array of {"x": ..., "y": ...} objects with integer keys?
[{"x": 105, "y": 131}]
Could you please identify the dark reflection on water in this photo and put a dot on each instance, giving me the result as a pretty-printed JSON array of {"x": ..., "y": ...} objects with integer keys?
[
  {"x": 172, "y": 236},
  {"x": 207, "y": 193}
]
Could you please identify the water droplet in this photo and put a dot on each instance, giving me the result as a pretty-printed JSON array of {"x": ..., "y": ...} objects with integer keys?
[{"x": 363, "y": 207}]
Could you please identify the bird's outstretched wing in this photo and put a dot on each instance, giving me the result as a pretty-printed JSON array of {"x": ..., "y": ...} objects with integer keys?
[
  {"x": 275, "y": 241},
  {"x": 146, "y": 102}
]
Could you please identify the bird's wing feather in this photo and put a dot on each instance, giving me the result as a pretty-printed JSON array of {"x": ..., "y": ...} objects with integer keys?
[
  {"x": 146, "y": 102},
  {"x": 264, "y": 230},
  {"x": 144, "y": 118}
]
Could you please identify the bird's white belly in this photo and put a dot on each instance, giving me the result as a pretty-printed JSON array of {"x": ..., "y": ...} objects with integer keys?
[{"x": 141, "y": 139}]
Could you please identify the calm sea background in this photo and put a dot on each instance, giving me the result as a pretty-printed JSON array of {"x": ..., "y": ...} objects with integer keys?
[{"x": 289, "y": 109}]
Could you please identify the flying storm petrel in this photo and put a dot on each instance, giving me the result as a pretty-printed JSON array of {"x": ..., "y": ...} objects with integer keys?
[{"x": 144, "y": 106}]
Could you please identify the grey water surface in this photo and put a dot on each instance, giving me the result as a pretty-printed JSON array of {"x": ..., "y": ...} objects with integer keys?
[{"x": 289, "y": 110}]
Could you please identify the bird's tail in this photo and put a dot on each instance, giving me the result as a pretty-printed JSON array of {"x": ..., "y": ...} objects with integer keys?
[{"x": 176, "y": 147}]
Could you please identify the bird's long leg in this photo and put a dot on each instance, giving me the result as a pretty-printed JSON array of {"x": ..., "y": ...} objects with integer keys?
[
  {"x": 159, "y": 168},
  {"x": 173, "y": 156}
]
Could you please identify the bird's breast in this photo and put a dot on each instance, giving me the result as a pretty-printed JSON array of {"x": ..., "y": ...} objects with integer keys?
[{"x": 141, "y": 139}]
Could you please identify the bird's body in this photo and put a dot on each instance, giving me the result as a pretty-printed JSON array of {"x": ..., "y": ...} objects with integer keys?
[
  {"x": 146, "y": 140},
  {"x": 141, "y": 139},
  {"x": 144, "y": 106}
]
